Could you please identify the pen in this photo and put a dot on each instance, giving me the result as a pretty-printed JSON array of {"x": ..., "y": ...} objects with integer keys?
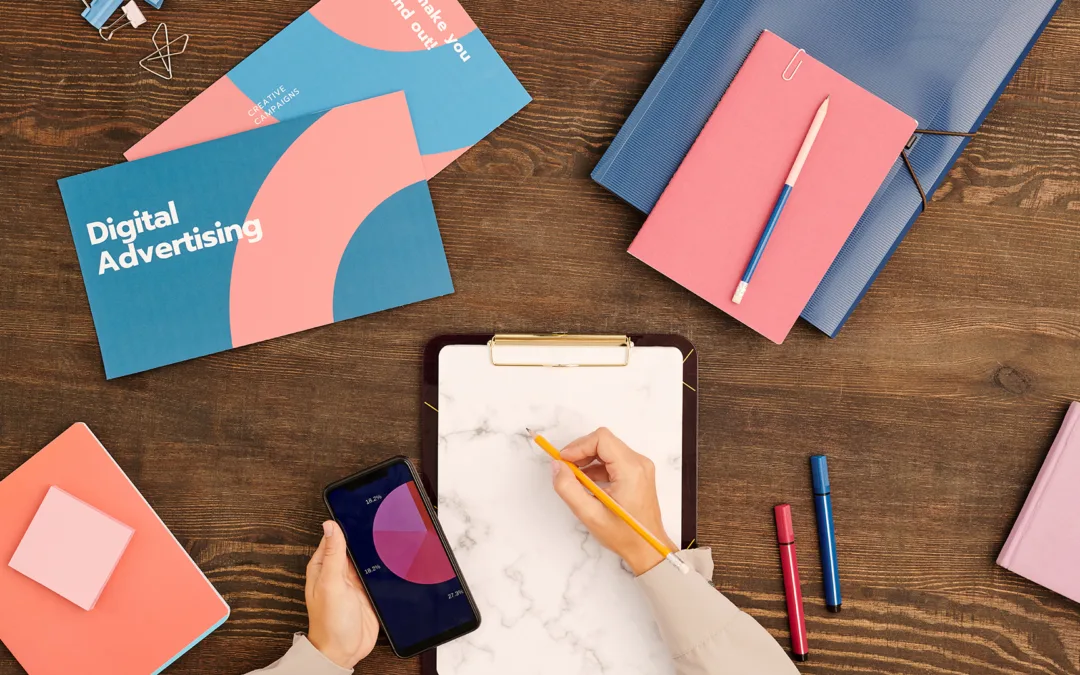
[
  {"x": 785, "y": 536},
  {"x": 789, "y": 184},
  {"x": 607, "y": 501},
  {"x": 819, "y": 469}
]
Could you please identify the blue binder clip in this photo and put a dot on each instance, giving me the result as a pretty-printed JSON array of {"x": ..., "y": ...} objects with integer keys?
[
  {"x": 156, "y": 4},
  {"x": 98, "y": 12}
]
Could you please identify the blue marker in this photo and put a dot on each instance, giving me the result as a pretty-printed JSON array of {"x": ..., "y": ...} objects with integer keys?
[{"x": 826, "y": 534}]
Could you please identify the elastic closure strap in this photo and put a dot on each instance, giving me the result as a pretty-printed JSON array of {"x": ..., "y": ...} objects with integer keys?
[{"x": 907, "y": 160}]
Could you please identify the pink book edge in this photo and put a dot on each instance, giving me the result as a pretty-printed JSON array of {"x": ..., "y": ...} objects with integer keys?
[{"x": 1046, "y": 474}]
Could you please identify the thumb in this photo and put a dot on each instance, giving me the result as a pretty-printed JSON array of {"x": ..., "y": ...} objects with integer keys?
[
  {"x": 335, "y": 561},
  {"x": 586, "y": 507}
]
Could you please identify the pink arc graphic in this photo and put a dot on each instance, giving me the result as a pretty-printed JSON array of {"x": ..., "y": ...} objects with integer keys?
[
  {"x": 406, "y": 540},
  {"x": 285, "y": 282}
]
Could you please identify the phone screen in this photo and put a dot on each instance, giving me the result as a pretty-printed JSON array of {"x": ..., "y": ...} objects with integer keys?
[{"x": 399, "y": 553}]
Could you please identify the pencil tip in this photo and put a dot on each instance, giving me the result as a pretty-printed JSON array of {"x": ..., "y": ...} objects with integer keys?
[{"x": 529, "y": 432}]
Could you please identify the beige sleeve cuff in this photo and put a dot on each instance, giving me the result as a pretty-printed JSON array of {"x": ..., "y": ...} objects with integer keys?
[
  {"x": 303, "y": 659},
  {"x": 705, "y": 632},
  {"x": 688, "y": 610}
]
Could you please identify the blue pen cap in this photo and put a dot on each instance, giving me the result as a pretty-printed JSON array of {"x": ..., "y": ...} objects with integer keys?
[{"x": 819, "y": 468}]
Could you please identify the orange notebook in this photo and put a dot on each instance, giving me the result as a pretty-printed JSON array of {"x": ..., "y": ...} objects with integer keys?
[
  {"x": 156, "y": 605},
  {"x": 707, "y": 223}
]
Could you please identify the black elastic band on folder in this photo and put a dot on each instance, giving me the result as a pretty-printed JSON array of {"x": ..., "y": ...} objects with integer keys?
[{"x": 907, "y": 161}]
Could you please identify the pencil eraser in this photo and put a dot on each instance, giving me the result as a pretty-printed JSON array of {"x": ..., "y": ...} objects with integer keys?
[
  {"x": 740, "y": 291},
  {"x": 71, "y": 548}
]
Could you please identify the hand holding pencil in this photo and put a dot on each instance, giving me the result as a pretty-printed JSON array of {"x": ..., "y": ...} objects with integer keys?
[{"x": 631, "y": 479}]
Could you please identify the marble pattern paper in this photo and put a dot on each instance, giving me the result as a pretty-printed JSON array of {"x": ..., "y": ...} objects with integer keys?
[{"x": 552, "y": 600}]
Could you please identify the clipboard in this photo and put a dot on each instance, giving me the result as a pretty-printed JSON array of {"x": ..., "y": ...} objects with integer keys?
[{"x": 551, "y": 598}]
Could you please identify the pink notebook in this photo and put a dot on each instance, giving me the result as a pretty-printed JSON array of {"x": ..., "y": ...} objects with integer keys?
[
  {"x": 1044, "y": 544},
  {"x": 154, "y": 606},
  {"x": 707, "y": 223}
]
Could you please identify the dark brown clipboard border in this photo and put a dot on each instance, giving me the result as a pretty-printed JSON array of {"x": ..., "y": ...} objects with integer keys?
[{"x": 429, "y": 429}]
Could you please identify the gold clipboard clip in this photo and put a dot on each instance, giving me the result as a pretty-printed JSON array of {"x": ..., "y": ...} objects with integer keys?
[{"x": 537, "y": 350}]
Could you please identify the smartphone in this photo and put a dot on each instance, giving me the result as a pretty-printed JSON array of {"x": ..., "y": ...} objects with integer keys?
[{"x": 402, "y": 558}]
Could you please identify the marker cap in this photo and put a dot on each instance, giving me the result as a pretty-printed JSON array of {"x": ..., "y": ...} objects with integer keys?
[
  {"x": 785, "y": 532},
  {"x": 819, "y": 469}
]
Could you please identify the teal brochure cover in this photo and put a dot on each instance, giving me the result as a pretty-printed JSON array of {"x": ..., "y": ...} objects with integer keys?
[
  {"x": 458, "y": 87},
  {"x": 290, "y": 226}
]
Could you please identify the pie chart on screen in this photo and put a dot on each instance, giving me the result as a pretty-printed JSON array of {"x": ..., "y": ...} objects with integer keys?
[{"x": 406, "y": 540}]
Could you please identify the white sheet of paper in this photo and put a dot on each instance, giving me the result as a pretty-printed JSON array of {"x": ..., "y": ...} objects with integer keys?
[{"x": 551, "y": 599}]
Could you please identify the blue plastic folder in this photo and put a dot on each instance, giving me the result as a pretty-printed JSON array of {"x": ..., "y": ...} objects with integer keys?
[{"x": 943, "y": 62}]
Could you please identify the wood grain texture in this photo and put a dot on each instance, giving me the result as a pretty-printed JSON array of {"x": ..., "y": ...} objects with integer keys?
[{"x": 936, "y": 404}]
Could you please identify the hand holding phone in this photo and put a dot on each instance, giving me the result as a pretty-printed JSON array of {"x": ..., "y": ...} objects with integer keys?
[
  {"x": 341, "y": 622},
  {"x": 402, "y": 557}
]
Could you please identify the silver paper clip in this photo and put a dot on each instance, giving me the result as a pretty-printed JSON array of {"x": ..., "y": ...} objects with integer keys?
[
  {"x": 163, "y": 52},
  {"x": 789, "y": 77},
  {"x": 132, "y": 16}
]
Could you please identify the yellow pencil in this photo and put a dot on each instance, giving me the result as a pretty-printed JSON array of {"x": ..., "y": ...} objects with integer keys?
[{"x": 613, "y": 505}]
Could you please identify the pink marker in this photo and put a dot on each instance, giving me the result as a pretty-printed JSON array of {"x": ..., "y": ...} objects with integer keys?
[{"x": 785, "y": 536}]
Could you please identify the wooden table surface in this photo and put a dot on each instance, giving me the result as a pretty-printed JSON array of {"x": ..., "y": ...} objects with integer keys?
[{"x": 936, "y": 404}]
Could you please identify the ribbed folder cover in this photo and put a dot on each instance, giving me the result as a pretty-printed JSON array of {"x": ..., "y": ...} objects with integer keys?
[{"x": 944, "y": 62}]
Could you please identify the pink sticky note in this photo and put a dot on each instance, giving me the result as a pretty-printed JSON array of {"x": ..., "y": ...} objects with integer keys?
[{"x": 71, "y": 548}]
